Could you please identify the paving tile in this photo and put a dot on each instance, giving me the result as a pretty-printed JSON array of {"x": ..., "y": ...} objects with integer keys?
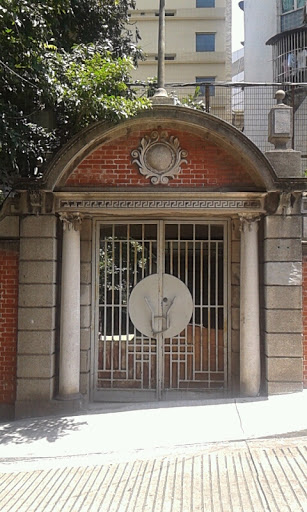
[{"x": 252, "y": 476}]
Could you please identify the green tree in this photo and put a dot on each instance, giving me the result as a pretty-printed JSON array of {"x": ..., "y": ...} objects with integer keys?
[{"x": 64, "y": 64}]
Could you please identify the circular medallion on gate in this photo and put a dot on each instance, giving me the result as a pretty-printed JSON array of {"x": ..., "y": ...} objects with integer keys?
[{"x": 160, "y": 304}]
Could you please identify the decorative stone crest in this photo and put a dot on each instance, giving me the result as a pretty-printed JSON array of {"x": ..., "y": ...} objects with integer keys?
[{"x": 159, "y": 157}]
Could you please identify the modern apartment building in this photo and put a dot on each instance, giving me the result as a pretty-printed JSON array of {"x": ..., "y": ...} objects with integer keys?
[
  {"x": 198, "y": 39},
  {"x": 275, "y": 48}
]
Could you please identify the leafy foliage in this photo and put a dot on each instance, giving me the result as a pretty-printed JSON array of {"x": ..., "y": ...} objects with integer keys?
[
  {"x": 64, "y": 64},
  {"x": 112, "y": 275},
  {"x": 191, "y": 100},
  {"x": 90, "y": 84}
]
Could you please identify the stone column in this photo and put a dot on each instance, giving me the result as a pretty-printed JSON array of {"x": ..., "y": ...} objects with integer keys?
[
  {"x": 69, "y": 371},
  {"x": 249, "y": 308}
]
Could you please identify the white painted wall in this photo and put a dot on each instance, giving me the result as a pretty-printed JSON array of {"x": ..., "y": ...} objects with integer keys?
[
  {"x": 260, "y": 23},
  {"x": 181, "y": 32}
]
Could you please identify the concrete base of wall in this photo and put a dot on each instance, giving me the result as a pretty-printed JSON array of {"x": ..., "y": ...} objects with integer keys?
[
  {"x": 7, "y": 412},
  {"x": 38, "y": 408},
  {"x": 281, "y": 388},
  {"x": 32, "y": 408}
]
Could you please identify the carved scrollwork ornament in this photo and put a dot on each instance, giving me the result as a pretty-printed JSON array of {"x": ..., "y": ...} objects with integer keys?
[
  {"x": 287, "y": 202},
  {"x": 159, "y": 157},
  {"x": 36, "y": 201},
  {"x": 71, "y": 221}
]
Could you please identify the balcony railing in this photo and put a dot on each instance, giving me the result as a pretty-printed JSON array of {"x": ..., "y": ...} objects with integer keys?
[{"x": 290, "y": 55}]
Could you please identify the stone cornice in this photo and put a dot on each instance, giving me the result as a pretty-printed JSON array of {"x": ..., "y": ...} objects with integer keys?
[{"x": 135, "y": 203}]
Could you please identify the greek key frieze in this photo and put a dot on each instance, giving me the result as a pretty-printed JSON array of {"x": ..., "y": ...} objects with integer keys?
[{"x": 159, "y": 203}]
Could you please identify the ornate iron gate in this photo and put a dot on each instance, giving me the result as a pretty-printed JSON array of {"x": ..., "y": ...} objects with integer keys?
[{"x": 132, "y": 366}]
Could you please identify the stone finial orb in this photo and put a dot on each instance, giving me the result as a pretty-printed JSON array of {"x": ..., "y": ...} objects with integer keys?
[{"x": 280, "y": 96}]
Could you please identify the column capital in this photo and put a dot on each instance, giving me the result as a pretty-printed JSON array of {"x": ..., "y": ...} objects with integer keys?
[
  {"x": 249, "y": 220},
  {"x": 71, "y": 221}
]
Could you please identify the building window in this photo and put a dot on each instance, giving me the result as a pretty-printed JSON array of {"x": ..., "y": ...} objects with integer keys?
[
  {"x": 205, "y": 3},
  {"x": 292, "y": 14},
  {"x": 287, "y": 5},
  {"x": 291, "y": 5},
  {"x": 205, "y": 42},
  {"x": 202, "y": 88}
]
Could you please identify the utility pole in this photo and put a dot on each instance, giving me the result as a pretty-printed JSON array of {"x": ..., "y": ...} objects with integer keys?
[
  {"x": 160, "y": 96},
  {"x": 161, "y": 46}
]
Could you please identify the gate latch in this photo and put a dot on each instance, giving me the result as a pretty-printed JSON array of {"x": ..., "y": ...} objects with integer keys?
[{"x": 164, "y": 318}]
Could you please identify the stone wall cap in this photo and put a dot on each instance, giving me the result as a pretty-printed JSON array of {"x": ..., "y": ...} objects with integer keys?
[{"x": 287, "y": 150}]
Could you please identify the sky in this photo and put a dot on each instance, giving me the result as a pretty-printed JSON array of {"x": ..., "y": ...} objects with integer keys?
[{"x": 237, "y": 26}]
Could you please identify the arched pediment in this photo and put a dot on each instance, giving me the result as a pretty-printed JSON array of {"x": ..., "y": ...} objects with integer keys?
[{"x": 210, "y": 129}]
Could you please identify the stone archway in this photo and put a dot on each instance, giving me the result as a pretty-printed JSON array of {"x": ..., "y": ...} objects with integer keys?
[
  {"x": 220, "y": 174},
  {"x": 93, "y": 181}
]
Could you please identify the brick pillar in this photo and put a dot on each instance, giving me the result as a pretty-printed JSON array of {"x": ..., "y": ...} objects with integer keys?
[
  {"x": 8, "y": 322},
  {"x": 304, "y": 295}
]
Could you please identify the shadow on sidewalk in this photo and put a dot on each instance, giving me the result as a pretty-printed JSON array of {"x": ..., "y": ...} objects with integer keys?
[
  {"x": 39, "y": 428},
  {"x": 53, "y": 428}
]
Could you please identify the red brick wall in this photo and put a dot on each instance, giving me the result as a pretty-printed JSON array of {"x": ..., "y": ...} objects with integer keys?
[
  {"x": 8, "y": 324},
  {"x": 305, "y": 320},
  {"x": 208, "y": 165}
]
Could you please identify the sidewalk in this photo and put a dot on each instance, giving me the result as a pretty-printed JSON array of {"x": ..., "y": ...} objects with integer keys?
[
  {"x": 185, "y": 456},
  {"x": 117, "y": 430}
]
